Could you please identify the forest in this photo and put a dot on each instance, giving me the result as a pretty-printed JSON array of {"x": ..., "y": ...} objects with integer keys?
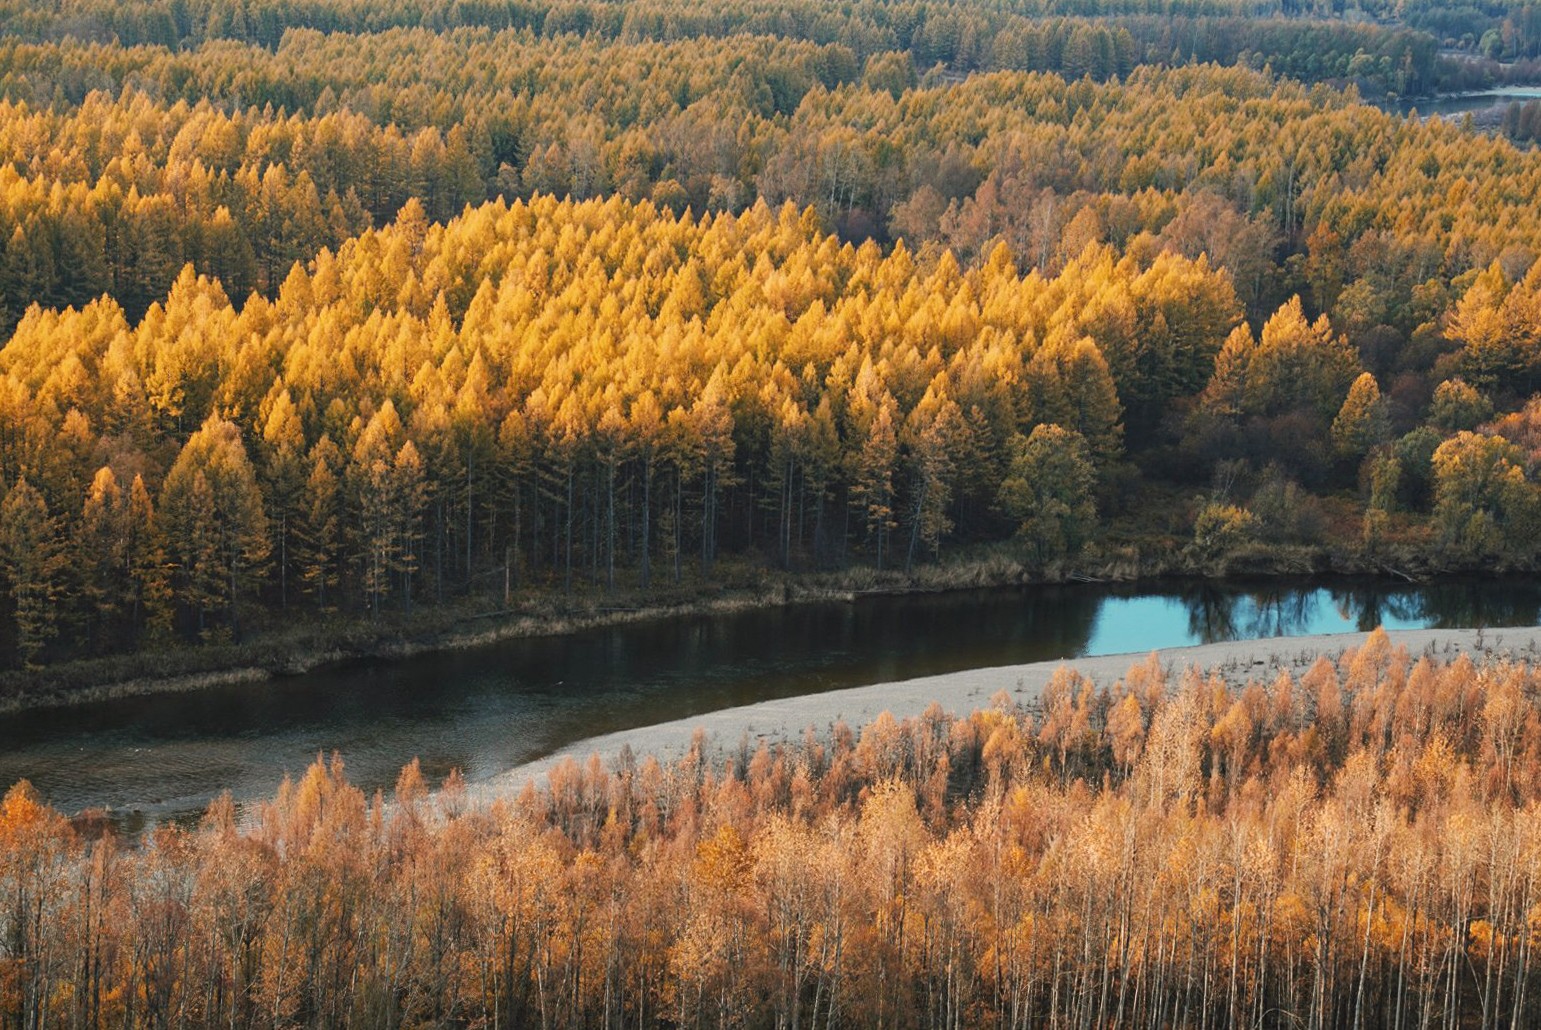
[
  {"x": 351, "y": 311},
  {"x": 1354, "y": 845},
  {"x": 568, "y": 393},
  {"x": 327, "y": 321}
]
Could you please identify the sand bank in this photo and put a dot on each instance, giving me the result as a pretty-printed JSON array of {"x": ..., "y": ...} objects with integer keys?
[{"x": 963, "y": 692}]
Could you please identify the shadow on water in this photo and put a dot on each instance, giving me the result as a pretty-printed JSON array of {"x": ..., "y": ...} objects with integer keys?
[{"x": 489, "y": 709}]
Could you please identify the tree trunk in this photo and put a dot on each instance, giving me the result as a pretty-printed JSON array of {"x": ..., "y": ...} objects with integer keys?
[
  {"x": 647, "y": 512},
  {"x": 567, "y": 577}
]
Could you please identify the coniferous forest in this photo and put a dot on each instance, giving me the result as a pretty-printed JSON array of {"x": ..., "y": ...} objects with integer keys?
[
  {"x": 330, "y": 320},
  {"x": 361, "y": 317}
]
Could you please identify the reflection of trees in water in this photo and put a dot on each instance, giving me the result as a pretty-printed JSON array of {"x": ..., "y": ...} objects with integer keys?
[
  {"x": 1474, "y": 603},
  {"x": 1058, "y": 621},
  {"x": 950, "y": 631},
  {"x": 1217, "y": 613},
  {"x": 932, "y": 633},
  {"x": 1404, "y": 606},
  {"x": 1454, "y": 605},
  {"x": 1280, "y": 612},
  {"x": 1211, "y": 612},
  {"x": 1369, "y": 605}
]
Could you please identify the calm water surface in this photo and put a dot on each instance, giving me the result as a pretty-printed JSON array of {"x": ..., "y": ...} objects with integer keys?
[
  {"x": 487, "y": 710},
  {"x": 1452, "y": 105}
]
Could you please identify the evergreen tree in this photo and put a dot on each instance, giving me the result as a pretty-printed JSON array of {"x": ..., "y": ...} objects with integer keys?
[
  {"x": 1048, "y": 491},
  {"x": 319, "y": 527},
  {"x": 408, "y": 496},
  {"x": 1483, "y": 504},
  {"x": 144, "y": 557},
  {"x": 33, "y": 560},
  {"x": 101, "y": 559},
  {"x": 283, "y": 481},
  {"x": 212, "y": 509},
  {"x": 935, "y": 432},
  {"x": 873, "y": 475},
  {"x": 1362, "y": 422}
]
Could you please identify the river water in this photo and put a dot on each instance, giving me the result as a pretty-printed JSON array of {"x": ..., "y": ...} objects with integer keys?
[
  {"x": 1492, "y": 102},
  {"x": 486, "y": 710}
]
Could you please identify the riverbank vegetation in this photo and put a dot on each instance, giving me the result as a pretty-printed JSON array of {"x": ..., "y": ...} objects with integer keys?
[{"x": 1357, "y": 845}]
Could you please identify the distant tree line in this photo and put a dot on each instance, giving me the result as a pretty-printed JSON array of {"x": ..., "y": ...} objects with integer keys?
[
  {"x": 1094, "y": 37},
  {"x": 1498, "y": 30},
  {"x": 116, "y": 192}
]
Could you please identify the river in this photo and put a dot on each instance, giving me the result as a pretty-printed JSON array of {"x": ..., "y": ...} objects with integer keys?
[
  {"x": 1452, "y": 105},
  {"x": 486, "y": 710}
]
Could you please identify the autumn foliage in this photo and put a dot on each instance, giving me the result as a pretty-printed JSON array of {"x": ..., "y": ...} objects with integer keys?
[
  {"x": 1358, "y": 845},
  {"x": 571, "y": 391},
  {"x": 343, "y": 309},
  {"x": 606, "y": 393}
]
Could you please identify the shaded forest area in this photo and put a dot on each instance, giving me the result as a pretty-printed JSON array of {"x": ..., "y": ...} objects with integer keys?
[{"x": 1356, "y": 846}]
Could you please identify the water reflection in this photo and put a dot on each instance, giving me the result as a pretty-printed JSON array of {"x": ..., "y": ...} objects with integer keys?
[
  {"x": 1281, "y": 613},
  {"x": 1374, "y": 604},
  {"x": 1211, "y": 614},
  {"x": 487, "y": 710}
]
